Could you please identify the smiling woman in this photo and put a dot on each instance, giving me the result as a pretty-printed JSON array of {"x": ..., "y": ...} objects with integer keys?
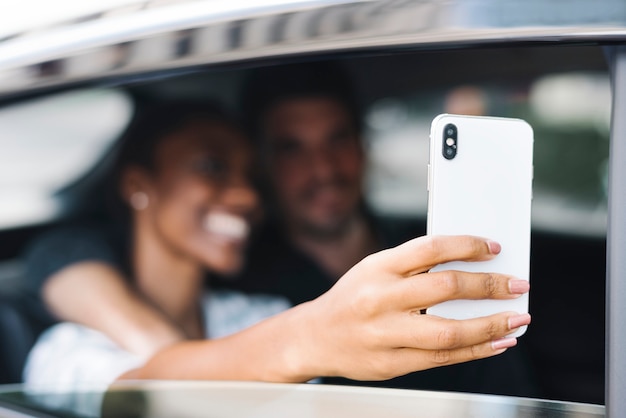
[
  {"x": 183, "y": 168},
  {"x": 182, "y": 203},
  {"x": 191, "y": 165}
]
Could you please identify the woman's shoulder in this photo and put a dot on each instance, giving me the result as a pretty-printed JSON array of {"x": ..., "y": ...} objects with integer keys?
[{"x": 69, "y": 354}]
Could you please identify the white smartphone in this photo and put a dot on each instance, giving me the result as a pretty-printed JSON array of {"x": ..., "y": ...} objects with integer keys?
[{"x": 480, "y": 183}]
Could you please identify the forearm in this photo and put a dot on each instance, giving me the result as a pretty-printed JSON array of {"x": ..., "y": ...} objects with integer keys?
[
  {"x": 136, "y": 326},
  {"x": 95, "y": 295},
  {"x": 275, "y": 350}
]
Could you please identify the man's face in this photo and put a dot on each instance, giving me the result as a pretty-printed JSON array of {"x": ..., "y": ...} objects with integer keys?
[{"x": 315, "y": 163}]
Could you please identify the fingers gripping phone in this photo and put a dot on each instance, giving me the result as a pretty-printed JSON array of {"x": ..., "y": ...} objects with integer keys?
[{"x": 480, "y": 183}]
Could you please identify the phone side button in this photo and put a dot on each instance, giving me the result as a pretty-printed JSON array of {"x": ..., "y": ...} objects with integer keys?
[{"x": 428, "y": 179}]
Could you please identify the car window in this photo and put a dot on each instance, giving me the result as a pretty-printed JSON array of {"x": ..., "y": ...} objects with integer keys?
[
  {"x": 58, "y": 139},
  {"x": 568, "y": 106},
  {"x": 49, "y": 142},
  {"x": 570, "y": 115}
]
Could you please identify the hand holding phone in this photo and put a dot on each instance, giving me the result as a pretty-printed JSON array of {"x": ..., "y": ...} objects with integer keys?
[{"x": 480, "y": 183}]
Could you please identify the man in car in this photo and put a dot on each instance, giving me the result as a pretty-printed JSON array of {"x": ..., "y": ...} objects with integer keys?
[{"x": 308, "y": 127}]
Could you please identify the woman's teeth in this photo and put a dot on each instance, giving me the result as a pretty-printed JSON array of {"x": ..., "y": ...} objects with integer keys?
[{"x": 226, "y": 225}]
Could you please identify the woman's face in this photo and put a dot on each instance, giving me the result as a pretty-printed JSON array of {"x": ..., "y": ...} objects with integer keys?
[{"x": 200, "y": 198}]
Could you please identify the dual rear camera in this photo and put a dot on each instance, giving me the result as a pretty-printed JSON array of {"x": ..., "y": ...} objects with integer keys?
[{"x": 450, "y": 141}]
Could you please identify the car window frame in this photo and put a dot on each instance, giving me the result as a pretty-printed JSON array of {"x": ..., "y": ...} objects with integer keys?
[{"x": 46, "y": 68}]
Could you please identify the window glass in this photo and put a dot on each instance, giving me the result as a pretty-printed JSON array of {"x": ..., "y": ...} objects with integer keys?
[
  {"x": 570, "y": 115},
  {"x": 48, "y": 143}
]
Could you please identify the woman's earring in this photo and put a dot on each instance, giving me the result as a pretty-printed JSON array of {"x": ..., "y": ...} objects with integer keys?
[{"x": 139, "y": 200}]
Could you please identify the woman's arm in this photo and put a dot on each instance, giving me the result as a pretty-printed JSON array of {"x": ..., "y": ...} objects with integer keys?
[
  {"x": 368, "y": 326},
  {"x": 95, "y": 294}
]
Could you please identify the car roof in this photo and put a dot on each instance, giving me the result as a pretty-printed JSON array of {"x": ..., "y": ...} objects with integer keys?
[{"x": 177, "y": 34}]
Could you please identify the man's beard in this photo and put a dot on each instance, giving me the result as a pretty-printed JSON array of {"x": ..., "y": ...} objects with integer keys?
[
  {"x": 328, "y": 231},
  {"x": 340, "y": 223},
  {"x": 335, "y": 225}
]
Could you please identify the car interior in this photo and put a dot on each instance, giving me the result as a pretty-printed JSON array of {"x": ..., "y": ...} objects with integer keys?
[{"x": 58, "y": 145}]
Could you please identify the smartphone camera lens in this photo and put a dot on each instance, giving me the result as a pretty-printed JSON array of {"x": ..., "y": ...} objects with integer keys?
[{"x": 450, "y": 141}]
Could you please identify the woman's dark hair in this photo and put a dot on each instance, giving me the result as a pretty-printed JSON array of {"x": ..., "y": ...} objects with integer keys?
[
  {"x": 156, "y": 121},
  {"x": 150, "y": 125}
]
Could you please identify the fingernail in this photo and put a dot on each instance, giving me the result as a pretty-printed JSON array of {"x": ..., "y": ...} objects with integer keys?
[
  {"x": 519, "y": 320},
  {"x": 494, "y": 247},
  {"x": 504, "y": 343},
  {"x": 517, "y": 286}
]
